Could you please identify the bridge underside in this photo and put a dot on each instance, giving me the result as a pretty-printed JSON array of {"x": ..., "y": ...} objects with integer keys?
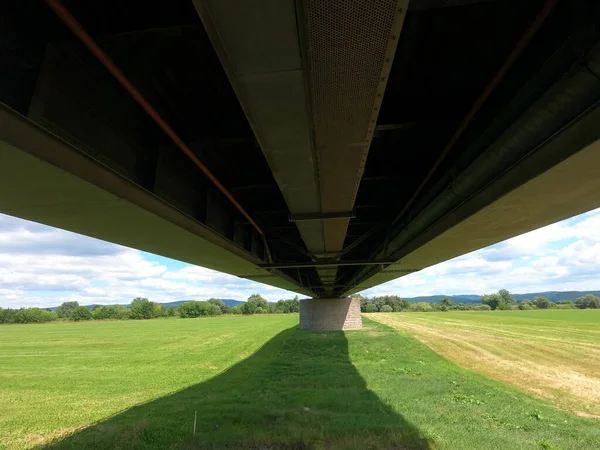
[{"x": 339, "y": 128}]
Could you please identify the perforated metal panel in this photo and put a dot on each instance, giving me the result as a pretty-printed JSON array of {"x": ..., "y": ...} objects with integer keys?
[
  {"x": 348, "y": 41},
  {"x": 310, "y": 75},
  {"x": 351, "y": 44}
]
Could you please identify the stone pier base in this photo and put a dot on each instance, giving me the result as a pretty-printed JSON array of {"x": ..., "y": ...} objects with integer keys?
[{"x": 330, "y": 314}]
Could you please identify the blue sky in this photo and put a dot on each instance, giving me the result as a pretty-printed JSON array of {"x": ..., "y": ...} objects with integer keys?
[{"x": 44, "y": 266}]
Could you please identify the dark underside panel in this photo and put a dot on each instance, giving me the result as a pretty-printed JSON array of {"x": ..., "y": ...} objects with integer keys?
[
  {"x": 445, "y": 59},
  {"x": 447, "y": 54}
]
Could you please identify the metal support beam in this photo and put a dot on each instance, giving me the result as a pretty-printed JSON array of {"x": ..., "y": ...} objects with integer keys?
[
  {"x": 253, "y": 187},
  {"x": 328, "y": 264},
  {"x": 322, "y": 216},
  {"x": 359, "y": 241},
  {"x": 424, "y": 5},
  {"x": 297, "y": 247}
]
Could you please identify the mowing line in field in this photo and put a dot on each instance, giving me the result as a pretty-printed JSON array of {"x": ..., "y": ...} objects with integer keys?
[{"x": 558, "y": 360}]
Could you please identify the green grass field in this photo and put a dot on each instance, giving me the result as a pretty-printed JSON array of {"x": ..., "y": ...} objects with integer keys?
[
  {"x": 258, "y": 383},
  {"x": 554, "y": 354}
]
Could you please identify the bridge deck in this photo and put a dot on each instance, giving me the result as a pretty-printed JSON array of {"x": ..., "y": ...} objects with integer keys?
[{"x": 406, "y": 134}]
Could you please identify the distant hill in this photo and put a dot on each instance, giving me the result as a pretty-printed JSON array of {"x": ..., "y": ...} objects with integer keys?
[
  {"x": 229, "y": 302},
  {"x": 469, "y": 296},
  {"x": 437, "y": 298},
  {"x": 232, "y": 303},
  {"x": 553, "y": 296}
]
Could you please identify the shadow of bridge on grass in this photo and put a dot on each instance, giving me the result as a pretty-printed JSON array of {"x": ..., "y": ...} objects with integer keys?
[{"x": 299, "y": 391}]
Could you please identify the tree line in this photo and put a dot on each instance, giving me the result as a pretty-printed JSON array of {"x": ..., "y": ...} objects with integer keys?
[
  {"x": 142, "y": 308},
  {"x": 393, "y": 303},
  {"x": 501, "y": 300}
]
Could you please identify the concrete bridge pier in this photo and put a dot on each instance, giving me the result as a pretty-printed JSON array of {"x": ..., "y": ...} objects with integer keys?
[{"x": 330, "y": 314}]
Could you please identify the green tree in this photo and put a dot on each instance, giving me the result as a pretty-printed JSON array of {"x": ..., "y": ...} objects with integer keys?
[
  {"x": 588, "y": 301},
  {"x": 294, "y": 304},
  {"x": 364, "y": 301},
  {"x": 190, "y": 309},
  {"x": 378, "y": 303},
  {"x": 542, "y": 302},
  {"x": 401, "y": 305},
  {"x": 254, "y": 301},
  {"x": 280, "y": 307},
  {"x": 526, "y": 305},
  {"x": 99, "y": 313},
  {"x": 387, "y": 308},
  {"x": 370, "y": 308},
  {"x": 258, "y": 301},
  {"x": 29, "y": 315},
  {"x": 158, "y": 310},
  {"x": 502, "y": 306},
  {"x": 422, "y": 307},
  {"x": 395, "y": 302},
  {"x": 110, "y": 312},
  {"x": 121, "y": 312},
  {"x": 142, "y": 308},
  {"x": 195, "y": 308},
  {"x": 447, "y": 303},
  {"x": 260, "y": 310},
  {"x": 80, "y": 313},
  {"x": 170, "y": 311},
  {"x": 7, "y": 315},
  {"x": 221, "y": 306},
  {"x": 64, "y": 311},
  {"x": 492, "y": 300},
  {"x": 288, "y": 306},
  {"x": 237, "y": 309},
  {"x": 506, "y": 297},
  {"x": 565, "y": 304},
  {"x": 248, "y": 308}
]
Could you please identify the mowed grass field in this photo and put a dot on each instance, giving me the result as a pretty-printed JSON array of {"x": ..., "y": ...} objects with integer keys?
[
  {"x": 258, "y": 383},
  {"x": 554, "y": 354},
  {"x": 57, "y": 376}
]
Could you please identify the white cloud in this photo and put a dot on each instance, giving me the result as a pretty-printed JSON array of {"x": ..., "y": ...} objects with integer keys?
[
  {"x": 562, "y": 256},
  {"x": 200, "y": 274},
  {"x": 43, "y": 266}
]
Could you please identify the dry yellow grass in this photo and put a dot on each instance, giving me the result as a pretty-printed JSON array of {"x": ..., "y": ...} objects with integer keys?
[{"x": 553, "y": 354}]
